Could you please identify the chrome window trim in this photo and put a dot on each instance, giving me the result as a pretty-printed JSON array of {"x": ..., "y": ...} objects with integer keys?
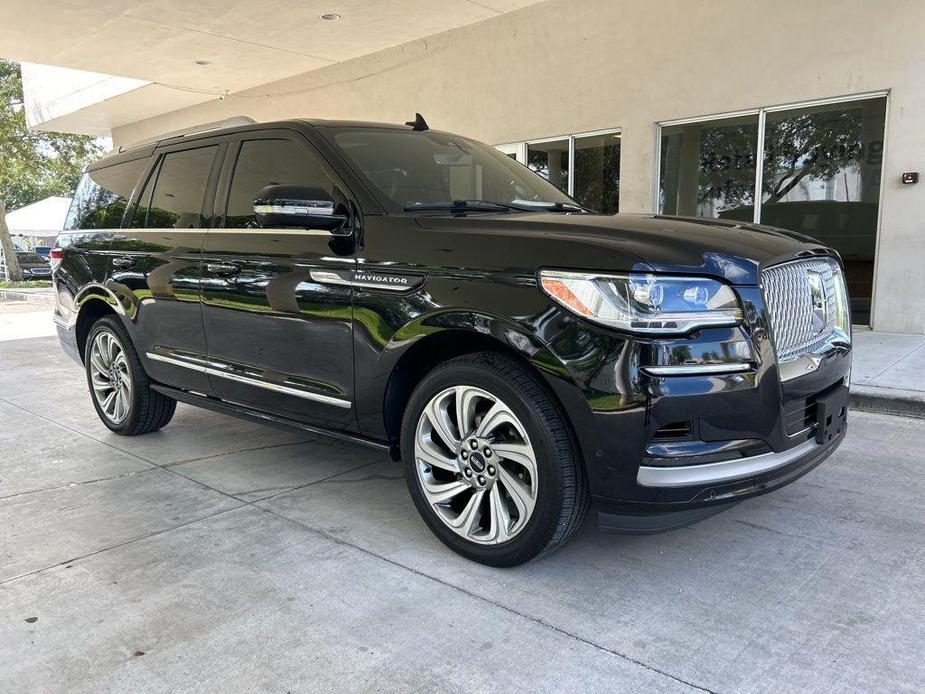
[
  {"x": 213, "y": 371},
  {"x": 725, "y": 471}
]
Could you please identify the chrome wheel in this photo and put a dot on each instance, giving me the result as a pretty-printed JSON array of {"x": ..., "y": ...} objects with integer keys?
[
  {"x": 110, "y": 377},
  {"x": 476, "y": 465}
]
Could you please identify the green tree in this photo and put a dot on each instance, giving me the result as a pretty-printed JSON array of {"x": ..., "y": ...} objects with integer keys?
[{"x": 34, "y": 164}]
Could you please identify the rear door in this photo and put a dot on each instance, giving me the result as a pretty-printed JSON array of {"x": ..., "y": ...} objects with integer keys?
[
  {"x": 156, "y": 263},
  {"x": 278, "y": 340}
]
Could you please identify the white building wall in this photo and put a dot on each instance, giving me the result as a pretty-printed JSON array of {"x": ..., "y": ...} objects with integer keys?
[{"x": 578, "y": 65}]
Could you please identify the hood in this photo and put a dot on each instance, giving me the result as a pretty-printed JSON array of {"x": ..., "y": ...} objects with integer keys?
[{"x": 735, "y": 251}]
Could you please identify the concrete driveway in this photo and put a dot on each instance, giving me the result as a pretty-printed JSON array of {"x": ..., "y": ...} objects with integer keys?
[{"x": 219, "y": 555}]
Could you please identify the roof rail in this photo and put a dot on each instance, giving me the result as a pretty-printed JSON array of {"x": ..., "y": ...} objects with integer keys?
[{"x": 193, "y": 130}]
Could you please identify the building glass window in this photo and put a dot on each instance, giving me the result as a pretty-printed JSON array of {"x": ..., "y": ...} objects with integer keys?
[
  {"x": 820, "y": 176},
  {"x": 597, "y": 172},
  {"x": 708, "y": 168},
  {"x": 585, "y": 166},
  {"x": 550, "y": 160}
]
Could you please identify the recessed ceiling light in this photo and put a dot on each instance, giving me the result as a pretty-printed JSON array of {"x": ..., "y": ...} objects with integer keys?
[
  {"x": 330, "y": 17},
  {"x": 203, "y": 62}
]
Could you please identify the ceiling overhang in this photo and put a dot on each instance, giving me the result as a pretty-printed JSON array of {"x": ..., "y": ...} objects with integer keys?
[{"x": 148, "y": 57}]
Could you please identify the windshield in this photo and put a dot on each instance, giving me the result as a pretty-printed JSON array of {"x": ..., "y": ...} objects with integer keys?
[{"x": 409, "y": 169}]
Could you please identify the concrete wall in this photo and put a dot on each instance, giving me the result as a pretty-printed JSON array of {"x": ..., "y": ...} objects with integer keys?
[{"x": 576, "y": 65}]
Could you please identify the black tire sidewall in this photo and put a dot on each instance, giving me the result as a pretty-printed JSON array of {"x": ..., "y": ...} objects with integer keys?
[
  {"x": 548, "y": 511},
  {"x": 111, "y": 326}
]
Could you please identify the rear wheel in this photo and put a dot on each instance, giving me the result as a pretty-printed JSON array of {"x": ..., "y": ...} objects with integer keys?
[
  {"x": 119, "y": 387},
  {"x": 490, "y": 461}
]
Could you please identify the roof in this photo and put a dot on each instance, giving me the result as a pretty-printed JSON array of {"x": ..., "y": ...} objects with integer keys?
[
  {"x": 40, "y": 217},
  {"x": 145, "y": 148}
]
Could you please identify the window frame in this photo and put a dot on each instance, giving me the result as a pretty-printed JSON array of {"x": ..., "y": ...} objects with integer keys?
[{"x": 762, "y": 112}]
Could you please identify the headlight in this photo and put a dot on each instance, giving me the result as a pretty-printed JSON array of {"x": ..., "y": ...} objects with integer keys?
[
  {"x": 644, "y": 302},
  {"x": 842, "y": 315}
]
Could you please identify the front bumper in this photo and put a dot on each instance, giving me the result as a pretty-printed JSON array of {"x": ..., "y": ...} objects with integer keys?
[{"x": 750, "y": 431}]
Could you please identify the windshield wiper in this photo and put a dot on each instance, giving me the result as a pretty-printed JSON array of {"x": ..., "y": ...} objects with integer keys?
[
  {"x": 460, "y": 206},
  {"x": 544, "y": 206},
  {"x": 463, "y": 206}
]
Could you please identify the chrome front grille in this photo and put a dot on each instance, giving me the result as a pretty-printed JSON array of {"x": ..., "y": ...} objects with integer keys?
[{"x": 802, "y": 303}]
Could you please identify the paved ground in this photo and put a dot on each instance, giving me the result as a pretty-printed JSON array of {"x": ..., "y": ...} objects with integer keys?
[
  {"x": 889, "y": 373},
  {"x": 236, "y": 557}
]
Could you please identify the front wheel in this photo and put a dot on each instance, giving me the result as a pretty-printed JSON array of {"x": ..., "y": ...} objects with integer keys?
[
  {"x": 119, "y": 387},
  {"x": 490, "y": 461}
]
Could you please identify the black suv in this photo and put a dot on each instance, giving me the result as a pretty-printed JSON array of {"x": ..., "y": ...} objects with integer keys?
[{"x": 422, "y": 293}]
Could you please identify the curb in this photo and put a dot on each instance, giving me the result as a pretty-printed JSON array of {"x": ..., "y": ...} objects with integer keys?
[
  {"x": 44, "y": 299},
  {"x": 908, "y": 403}
]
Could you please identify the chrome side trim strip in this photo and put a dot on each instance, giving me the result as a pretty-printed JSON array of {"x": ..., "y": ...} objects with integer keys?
[
  {"x": 328, "y": 277},
  {"x": 725, "y": 471},
  {"x": 61, "y": 323},
  {"x": 211, "y": 371},
  {"x": 696, "y": 369}
]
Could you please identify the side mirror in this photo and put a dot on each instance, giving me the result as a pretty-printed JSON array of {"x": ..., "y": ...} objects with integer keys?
[{"x": 297, "y": 206}]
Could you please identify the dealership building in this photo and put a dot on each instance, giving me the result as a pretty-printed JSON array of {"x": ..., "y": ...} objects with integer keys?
[{"x": 809, "y": 116}]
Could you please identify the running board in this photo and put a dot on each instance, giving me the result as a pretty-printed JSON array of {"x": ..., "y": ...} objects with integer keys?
[{"x": 244, "y": 412}]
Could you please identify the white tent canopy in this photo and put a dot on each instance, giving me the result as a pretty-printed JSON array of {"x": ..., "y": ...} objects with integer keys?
[{"x": 43, "y": 218}]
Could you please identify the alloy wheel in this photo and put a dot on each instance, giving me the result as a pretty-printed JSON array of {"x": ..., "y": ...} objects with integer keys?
[
  {"x": 476, "y": 465},
  {"x": 110, "y": 377}
]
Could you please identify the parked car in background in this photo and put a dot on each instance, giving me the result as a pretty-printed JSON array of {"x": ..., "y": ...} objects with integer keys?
[
  {"x": 44, "y": 251},
  {"x": 33, "y": 266},
  {"x": 421, "y": 293}
]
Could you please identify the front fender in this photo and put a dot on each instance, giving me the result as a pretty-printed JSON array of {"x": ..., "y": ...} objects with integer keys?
[{"x": 415, "y": 346}]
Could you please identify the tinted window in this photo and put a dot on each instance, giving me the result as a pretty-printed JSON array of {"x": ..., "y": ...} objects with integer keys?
[
  {"x": 262, "y": 163},
  {"x": 101, "y": 196},
  {"x": 179, "y": 190}
]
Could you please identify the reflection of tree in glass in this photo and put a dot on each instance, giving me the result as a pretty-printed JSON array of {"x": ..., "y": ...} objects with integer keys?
[
  {"x": 797, "y": 146},
  {"x": 597, "y": 178},
  {"x": 727, "y": 165},
  {"x": 816, "y": 145},
  {"x": 159, "y": 218}
]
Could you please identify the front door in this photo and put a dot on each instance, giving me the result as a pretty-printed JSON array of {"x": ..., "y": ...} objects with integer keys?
[{"x": 278, "y": 340}]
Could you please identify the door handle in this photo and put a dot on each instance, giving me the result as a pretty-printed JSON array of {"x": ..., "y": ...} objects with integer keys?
[
  {"x": 223, "y": 268},
  {"x": 123, "y": 261}
]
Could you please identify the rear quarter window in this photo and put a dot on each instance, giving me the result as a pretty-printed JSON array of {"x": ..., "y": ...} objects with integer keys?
[{"x": 102, "y": 196}]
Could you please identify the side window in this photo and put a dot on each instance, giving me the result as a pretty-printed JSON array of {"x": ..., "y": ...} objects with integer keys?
[
  {"x": 263, "y": 163},
  {"x": 101, "y": 196},
  {"x": 179, "y": 190}
]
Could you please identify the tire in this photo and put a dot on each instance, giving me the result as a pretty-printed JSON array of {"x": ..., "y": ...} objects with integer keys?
[
  {"x": 525, "y": 461},
  {"x": 113, "y": 369}
]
